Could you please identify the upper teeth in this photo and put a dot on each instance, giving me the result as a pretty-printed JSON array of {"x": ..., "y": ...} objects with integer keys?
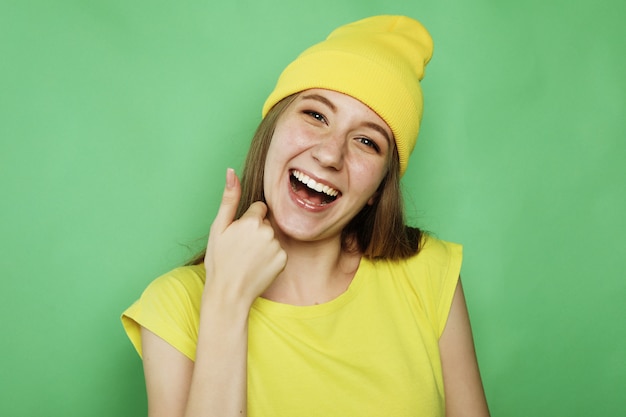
[{"x": 314, "y": 185}]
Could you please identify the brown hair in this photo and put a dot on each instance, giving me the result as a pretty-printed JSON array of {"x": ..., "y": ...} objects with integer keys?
[{"x": 377, "y": 231}]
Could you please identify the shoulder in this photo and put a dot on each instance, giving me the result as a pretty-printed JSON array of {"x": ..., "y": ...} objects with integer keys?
[
  {"x": 437, "y": 271},
  {"x": 437, "y": 251},
  {"x": 169, "y": 307},
  {"x": 433, "y": 253},
  {"x": 437, "y": 264},
  {"x": 179, "y": 287},
  {"x": 430, "y": 276},
  {"x": 185, "y": 280},
  {"x": 176, "y": 291}
]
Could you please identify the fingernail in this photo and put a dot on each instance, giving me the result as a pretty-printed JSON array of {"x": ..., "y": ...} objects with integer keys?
[{"x": 230, "y": 178}]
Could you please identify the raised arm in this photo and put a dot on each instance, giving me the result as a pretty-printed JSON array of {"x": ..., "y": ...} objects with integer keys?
[
  {"x": 465, "y": 396},
  {"x": 243, "y": 257}
]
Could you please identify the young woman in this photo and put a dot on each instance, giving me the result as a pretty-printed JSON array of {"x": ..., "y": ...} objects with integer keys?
[{"x": 313, "y": 297}]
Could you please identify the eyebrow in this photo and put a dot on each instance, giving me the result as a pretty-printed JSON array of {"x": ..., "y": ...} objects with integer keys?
[
  {"x": 321, "y": 99},
  {"x": 379, "y": 129},
  {"x": 327, "y": 102}
]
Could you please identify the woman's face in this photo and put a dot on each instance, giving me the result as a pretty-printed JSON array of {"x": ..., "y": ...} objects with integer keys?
[{"x": 328, "y": 155}]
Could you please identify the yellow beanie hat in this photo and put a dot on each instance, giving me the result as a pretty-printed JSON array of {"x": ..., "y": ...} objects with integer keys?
[{"x": 380, "y": 61}]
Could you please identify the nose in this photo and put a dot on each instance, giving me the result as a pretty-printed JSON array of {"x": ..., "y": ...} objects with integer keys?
[{"x": 330, "y": 151}]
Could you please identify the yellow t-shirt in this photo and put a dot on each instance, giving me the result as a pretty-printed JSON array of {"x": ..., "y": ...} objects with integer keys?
[{"x": 372, "y": 351}]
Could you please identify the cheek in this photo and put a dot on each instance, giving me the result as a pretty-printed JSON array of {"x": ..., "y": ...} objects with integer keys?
[
  {"x": 288, "y": 141},
  {"x": 273, "y": 167},
  {"x": 283, "y": 147},
  {"x": 370, "y": 175},
  {"x": 294, "y": 132}
]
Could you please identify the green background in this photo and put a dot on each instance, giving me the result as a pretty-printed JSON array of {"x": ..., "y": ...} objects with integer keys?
[{"x": 119, "y": 118}]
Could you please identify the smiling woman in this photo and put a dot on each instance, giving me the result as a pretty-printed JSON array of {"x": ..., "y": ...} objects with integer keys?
[
  {"x": 325, "y": 135},
  {"x": 313, "y": 296}
]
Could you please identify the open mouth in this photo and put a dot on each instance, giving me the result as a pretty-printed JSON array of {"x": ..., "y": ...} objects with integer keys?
[{"x": 312, "y": 191}]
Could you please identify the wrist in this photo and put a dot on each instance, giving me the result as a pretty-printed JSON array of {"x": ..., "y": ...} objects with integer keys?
[{"x": 225, "y": 302}]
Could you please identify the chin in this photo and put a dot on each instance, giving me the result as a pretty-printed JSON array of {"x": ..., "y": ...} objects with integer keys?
[{"x": 305, "y": 231}]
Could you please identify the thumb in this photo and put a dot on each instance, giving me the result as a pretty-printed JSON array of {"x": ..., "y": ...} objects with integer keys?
[{"x": 230, "y": 201}]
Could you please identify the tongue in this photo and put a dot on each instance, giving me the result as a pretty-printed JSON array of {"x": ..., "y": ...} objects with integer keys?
[{"x": 309, "y": 195}]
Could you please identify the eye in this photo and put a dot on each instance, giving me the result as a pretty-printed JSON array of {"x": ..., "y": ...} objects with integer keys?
[
  {"x": 369, "y": 143},
  {"x": 317, "y": 116}
]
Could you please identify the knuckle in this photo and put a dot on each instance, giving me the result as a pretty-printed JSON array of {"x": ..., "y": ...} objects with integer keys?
[{"x": 250, "y": 222}]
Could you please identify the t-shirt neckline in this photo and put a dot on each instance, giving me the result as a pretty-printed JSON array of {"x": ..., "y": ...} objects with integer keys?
[{"x": 275, "y": 308}]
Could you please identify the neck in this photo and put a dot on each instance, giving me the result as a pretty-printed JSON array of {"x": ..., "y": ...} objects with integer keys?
[{"x": 316, "y": 272}]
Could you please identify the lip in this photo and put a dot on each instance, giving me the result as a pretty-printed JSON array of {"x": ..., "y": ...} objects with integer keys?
[{"x": 307, "y": 205}]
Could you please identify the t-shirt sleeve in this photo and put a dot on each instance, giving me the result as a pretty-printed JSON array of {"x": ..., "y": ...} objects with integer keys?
[
  {"x": 169, "y": 307},
  {"x": 441, "y": 261}
]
